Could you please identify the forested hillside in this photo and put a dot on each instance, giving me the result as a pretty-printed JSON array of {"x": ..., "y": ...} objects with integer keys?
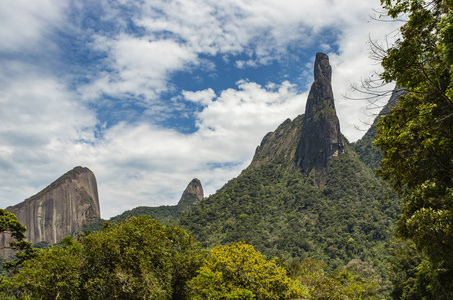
[
  {"x": 327, "y": 205},
  {"x": 281, "y": 212}
]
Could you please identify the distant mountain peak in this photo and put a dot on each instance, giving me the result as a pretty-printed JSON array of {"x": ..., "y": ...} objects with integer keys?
[
  {"x": 321, "y": 138},
  {"x": 192, "y": 195}
]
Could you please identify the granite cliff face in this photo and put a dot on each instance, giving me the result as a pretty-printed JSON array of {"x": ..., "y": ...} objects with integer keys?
[
  {"x": 280, "y": 145},
  {"x": 321, "y": 139},
  {"x": 61, "y": 209}
]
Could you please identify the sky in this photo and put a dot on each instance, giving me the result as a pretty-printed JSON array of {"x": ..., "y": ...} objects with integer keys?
[{"x": 150, "y": 94}]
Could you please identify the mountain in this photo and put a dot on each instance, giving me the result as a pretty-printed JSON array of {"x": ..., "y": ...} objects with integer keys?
[
  {"x": 61, "y": 209},
  {"x": 191, "y": 196},
  {"x": 306, "y": 193},
  {"x": 321, "y": 139}
]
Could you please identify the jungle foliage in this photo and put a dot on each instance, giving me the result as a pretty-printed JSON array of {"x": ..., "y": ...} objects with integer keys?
[
  {"x": 416, "y": 141},
  {"x": 136, "y": 259},
  {"x": 238, "y": 271},
  {"x": 142, "y": 259},
  {"x": 281, "y": 212},
  {"x": 331, "y": 241}
]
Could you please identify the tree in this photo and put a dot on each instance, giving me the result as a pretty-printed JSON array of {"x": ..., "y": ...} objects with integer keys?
[
  {"x": 139, "y": 259},
  {"x": 416, "y": 138},
  {"x": 409, "y": 271},
  {"x": 238, "y": 271},
  {"x": 135, "y": 259},
  {"x": 356, "y": 280},
  {"x": 10, "y": 225},
  {"x": 53, "y": 274}
]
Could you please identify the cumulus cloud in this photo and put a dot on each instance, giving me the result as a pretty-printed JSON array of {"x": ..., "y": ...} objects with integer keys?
[
  {"x": 203, "y": 97},
  {"x": 148, "y": 165},
  {"x": 352, "y": 64},
  {"x": 23, "y": 23},
  {"x": 135, "y": 164},
  {"x": 50, "y": 117},
  {"x": 174, "y": 34},
  {"x": 139, "y": 66},
  {"x": 39, "y": 118}
]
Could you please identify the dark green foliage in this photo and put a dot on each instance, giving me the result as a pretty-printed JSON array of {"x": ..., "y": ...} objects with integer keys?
[
  {"x": 10, "y": 225},
  {"x": 416, "y": 138},
  {"x": 368, "y": 154},
  {"x": 41, "y": 245},
  {"x": 52, "y": 274},
  {"x": 142, "y": 259},
  {"x": 165, "y": 214},
  {"x": 408, "y": 272},
  {"x": 364, "y": 147},
  {"x": 356, "y": 280},
  {"x": 414, "y": 276},
  {"x": 136, "y": 259},
  {"x": 277, "y": 209}
]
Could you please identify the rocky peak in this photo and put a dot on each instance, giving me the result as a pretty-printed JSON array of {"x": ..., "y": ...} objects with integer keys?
[
  {"x": 321, "y": 138},
  {"x": 192, "y": 195},
  {"x": 61, "y": 209},
  {"x": 322, "y": 69}
]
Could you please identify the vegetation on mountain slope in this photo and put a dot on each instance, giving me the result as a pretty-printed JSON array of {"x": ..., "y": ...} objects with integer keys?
[
  {"x": 276, "y": 208},
  {"x": 238, "y": 271},
  {"x": 165, "y": 214},
  {"x": 416, "y": 141},
  {"x": 142, "y": 259}
]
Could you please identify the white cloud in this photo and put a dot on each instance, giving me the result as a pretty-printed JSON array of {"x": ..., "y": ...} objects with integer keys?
[
  {"x": 203, "y": 97},
  {"x": 45, "y": 131},
  {"x": 176, "y": 34},
  {"x": 23, "y": 23},
  {"x": 139, "y": 66},
  {"x": 40, "y": 121},
  {"x": 353, "y": 64},
  {"x": 149, "y": 165},
  {"x": 47, "y": 126}
]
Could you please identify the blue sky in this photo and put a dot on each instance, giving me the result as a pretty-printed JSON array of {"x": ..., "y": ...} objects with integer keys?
[{"x": 150, "y": 94}]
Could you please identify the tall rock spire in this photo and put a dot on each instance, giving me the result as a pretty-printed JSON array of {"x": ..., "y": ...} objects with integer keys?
[{"x": 321, "y": 138}]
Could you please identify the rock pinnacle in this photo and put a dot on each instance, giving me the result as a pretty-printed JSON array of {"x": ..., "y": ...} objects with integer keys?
[{"x": 321, "y": 138}]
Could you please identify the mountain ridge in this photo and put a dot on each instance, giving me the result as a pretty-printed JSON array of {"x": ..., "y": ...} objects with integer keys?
[
  {"x": 294, "y": 201},
  {"x": 192, "y": 195}
]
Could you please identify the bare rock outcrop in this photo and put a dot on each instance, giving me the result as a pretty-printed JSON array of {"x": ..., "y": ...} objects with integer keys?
[
  {"x": 310, "y": 141},
  {"x": 61, "y": 209},
  {"x": 321, "y": 139},
  {"x": 191, "y": 196}
]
